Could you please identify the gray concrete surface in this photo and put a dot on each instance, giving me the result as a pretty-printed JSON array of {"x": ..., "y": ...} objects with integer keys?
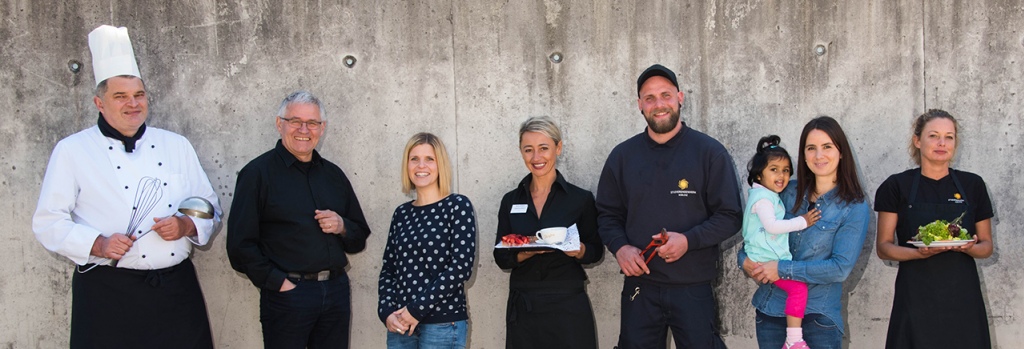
[{"x": 470, "y": 71}]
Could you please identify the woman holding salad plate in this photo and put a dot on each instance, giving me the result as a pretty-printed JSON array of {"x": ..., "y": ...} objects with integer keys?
[{"x": 937, "y": 302}]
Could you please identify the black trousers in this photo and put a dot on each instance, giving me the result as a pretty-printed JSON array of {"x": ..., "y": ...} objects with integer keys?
[
  {"x": 650, "y": 310},
  {"x": 125, "y": 308}
]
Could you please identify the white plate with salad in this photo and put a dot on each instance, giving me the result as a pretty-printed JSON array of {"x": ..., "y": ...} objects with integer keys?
[
  {"x": 945, "y": 243},
  {"x": 942, "y": 234}
]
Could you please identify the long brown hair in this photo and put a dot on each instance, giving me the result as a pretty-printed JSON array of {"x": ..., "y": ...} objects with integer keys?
[{"x": 847, "y": 183}]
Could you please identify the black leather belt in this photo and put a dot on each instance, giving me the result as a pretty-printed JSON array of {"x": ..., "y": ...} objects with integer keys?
[{"x": 322, "y": 275}]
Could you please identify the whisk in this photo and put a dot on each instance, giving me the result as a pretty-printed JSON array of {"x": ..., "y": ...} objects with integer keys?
[{"x": 147, "y": 196}]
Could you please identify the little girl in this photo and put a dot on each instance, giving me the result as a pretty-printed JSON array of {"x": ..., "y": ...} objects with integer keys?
[{"x": 766, "y": 234}]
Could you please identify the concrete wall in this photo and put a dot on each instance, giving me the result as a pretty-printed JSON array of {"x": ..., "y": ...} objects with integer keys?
[{"x": 471, "y": 71}]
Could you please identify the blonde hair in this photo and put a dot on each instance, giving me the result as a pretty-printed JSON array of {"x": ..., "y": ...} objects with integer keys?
[
  {"x": 543, "y": 125},
  {"x": 444, "y": 167}
]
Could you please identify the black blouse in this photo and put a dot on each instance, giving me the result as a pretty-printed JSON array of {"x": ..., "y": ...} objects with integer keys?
[{"x": 566, "y": 205}]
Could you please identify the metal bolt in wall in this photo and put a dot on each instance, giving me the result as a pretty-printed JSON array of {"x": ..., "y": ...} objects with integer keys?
[
  {"x": 349, "y": 61},
  {"x": 819, "y": 50},
  {"x": 74, "y": 66},
  {"x": 556, "y": 57}
]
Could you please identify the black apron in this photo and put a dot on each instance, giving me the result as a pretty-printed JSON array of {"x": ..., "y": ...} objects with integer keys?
[
  {"x": 549, "y": 314},
  {"x": 938, "y": 301},
  {"x": 125, "y": 308}
]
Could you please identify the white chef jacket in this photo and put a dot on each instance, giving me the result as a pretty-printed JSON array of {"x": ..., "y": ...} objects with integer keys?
[{"x": 90, "y": 187}]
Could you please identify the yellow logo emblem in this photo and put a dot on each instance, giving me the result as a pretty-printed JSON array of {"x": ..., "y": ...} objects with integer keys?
[
  {"x": 683, "y": 184},
  {"x": 956, "y": 196}
]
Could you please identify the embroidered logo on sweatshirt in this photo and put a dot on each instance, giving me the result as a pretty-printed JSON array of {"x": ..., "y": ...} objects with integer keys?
[{"x": 683, "y": 184}]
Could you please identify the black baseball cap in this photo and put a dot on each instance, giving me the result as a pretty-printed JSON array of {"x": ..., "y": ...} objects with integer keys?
[{"x": 656, "y": 70}]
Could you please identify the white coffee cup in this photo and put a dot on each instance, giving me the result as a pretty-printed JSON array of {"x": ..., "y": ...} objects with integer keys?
[{"x": 553, "y": 235}]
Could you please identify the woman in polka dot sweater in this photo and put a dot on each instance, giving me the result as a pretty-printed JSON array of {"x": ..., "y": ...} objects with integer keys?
[{"x": 429, "y": 254}]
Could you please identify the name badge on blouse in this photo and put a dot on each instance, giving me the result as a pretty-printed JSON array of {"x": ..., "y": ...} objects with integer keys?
[{"x": 520, "y": 208}]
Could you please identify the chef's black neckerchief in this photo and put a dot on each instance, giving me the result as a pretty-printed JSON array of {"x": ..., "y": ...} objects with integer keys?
[{"x": 129, "y": 142}]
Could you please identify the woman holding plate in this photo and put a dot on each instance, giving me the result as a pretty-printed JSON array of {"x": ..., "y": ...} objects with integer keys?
[
  {"x": 548, "y": 305},
  {"x": 938, "y": 301}
]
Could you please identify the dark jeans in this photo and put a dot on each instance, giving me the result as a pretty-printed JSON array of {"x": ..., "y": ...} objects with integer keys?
[
  {"x": 820, "y": 332},
  {"x": 315, "y": 314},
  {"x": 689, "y": 311}
]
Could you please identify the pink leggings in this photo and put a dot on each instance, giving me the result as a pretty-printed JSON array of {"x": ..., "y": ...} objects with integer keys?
[{"x": 796, "y": 301}]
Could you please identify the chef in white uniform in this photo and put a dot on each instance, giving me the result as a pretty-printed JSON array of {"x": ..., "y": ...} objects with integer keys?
[{"x": 138, "y": 288}]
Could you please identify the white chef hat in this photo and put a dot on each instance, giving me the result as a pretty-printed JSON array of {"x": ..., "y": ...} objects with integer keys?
[{"x": 112, "y": 53}]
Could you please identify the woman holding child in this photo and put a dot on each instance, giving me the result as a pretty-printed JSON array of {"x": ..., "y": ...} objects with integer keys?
[{"x": 823, "y": 254}]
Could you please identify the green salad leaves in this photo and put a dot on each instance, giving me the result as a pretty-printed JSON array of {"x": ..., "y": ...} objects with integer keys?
[{"x": 941, "y": 230}]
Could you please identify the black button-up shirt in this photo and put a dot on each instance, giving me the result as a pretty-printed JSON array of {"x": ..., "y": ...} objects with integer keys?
[
  {"x": 271, "y": 229},
  {"x": 566, "y": 205}
]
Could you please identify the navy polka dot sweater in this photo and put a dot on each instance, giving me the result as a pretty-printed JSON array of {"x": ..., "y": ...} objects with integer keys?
[{"x": 428, "y": 258}]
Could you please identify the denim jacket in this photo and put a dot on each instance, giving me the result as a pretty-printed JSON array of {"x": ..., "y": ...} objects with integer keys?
[{"x": 823, "y": 255}]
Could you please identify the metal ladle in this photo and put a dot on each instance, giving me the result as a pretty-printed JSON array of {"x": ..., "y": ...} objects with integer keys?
[
  {"x": 196, "y": 207},
  {"x": 192, "y": 206}
]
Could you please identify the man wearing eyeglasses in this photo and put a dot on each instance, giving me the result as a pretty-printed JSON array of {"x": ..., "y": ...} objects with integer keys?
[
  {"x": 293, "y": 219},
  {"x": 667, "y": 197}
]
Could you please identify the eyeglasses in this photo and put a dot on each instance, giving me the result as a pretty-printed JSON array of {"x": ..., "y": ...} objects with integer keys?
[
  {"x": 661, "y": 239},
  {"x": 296, "y": 123}
]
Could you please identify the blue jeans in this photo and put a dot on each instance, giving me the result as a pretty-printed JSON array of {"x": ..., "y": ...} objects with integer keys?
[
  {"x": 315, "y": 314},
  {"x": 445, "y": 335},
  {"x": 689, "y": 311},
  {"x": 820, "y": 332}
]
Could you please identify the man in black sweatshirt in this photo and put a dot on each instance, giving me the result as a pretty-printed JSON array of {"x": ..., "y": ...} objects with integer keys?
[{"x": 674, "y": 178}]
